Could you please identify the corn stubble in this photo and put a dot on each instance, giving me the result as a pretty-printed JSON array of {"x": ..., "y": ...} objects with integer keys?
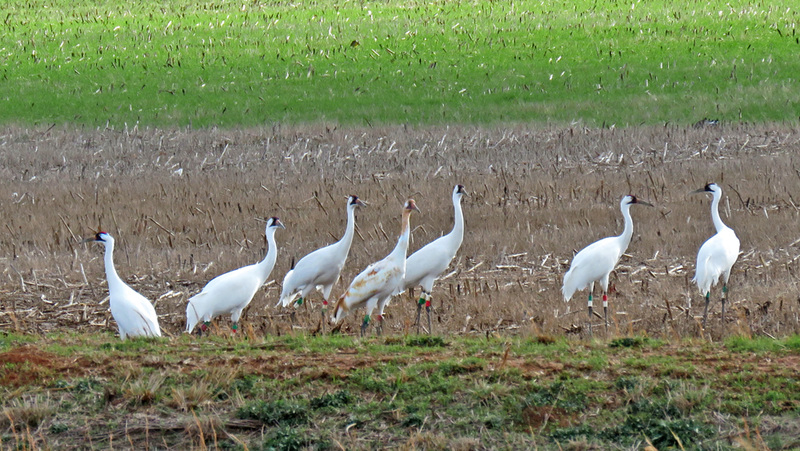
[{"x": 185, "y": 207}]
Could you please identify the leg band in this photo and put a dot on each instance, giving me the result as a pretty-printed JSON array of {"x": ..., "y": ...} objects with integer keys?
[
  {"x": 428, "y": 303},
  {"x": 590, "y": 300},
  {"x": 605, "y": 301}
]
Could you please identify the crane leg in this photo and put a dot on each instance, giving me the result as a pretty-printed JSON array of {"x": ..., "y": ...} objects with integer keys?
[
  {"x": 324, "y": 310},
  {"x": 297, "y": 303},
  {"x": 379, "y": 327},
  {"x": 724, "y": 298},
  {"x": 203, "y": 328},
  {"x": 605, "y": 311},
  {"x": 419, "y": 310},
  {"x": 364, "y": 325},
  {"x": 705, "y": 310},
  {"x": 428, "y": 311},
  {"x": 590, "y": 314}
]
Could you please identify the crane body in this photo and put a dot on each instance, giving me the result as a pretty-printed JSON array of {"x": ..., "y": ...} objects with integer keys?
[
  {"x": 425, "y": 265},
  {"x": 134, "y": 314},
  {"x": 595, "y": 262},
  {"x": 375, "y": 286},
  {"x": 232, "y": 292},
  {"x": 717, "y": 255},
  {"x": 321, "y": 268}
]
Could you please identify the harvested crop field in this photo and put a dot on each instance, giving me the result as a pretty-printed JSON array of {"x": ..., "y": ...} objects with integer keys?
[{"x": 183, "y": 206}]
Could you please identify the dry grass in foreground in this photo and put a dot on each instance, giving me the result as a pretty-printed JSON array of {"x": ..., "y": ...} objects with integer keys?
[{"x": 183, "y": 207}]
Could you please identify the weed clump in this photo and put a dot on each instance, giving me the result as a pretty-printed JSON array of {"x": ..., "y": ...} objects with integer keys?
[
  {"x": 426, "y": 341},
  {"x": 286, "y": 439},
  {"x": 629, "y": 342},
  {"x": 557, "y": 395},
  {"x": 332, "y": 400},
  {"x": 280, "y": 413},
  {"x": 662, "y": 422}
]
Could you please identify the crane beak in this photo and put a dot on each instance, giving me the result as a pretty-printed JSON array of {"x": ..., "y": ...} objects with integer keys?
[
  {"x": 361, "y": 203},
  {"x": 88, "y": 240},
  {"x": 641, "y": 202},
  {"x": 699, "y": 191}
]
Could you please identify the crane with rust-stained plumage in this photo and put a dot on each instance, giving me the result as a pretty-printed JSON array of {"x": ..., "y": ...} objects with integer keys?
[{"x": 374, "y": 286}]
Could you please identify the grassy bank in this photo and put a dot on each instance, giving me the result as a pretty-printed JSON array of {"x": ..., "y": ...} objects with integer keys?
[
  {"x": 297, "y": 392},
  {"x": 239, "y": 64}
]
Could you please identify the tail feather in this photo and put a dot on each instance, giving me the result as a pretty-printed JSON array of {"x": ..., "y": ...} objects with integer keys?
[
  {"x": 341, "y": 306},
  {"x": 704, "y": 277},
  {"x": 568, "y": 288},
  {"x": 192, "y": 316},
  {"x": 286, "y": 296}
]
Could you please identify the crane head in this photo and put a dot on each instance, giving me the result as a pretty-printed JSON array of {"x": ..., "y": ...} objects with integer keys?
[
  {"x": 410, "y": 205},
  {"x": 275, "y": 222},
  {"x": 709, "y": 188},
  {"x": 635, "y": 200},
  {"x": 354, "y": 201},
  {"x": 460, "y": 190},
  {"x": 99, "y": 236}
]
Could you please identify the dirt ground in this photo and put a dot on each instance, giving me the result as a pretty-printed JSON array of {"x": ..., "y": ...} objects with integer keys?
[{"x": 186, "y": 205}]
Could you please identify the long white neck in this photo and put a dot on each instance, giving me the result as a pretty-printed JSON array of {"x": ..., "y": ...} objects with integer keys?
[
  {"x": 114, "y": 282},
  {"x": 457, "y": 234},
  {"x": 718, "y": 224},
  {"x": 401, "y": 249},
  {"x": 627, "y": 232},
  {"x": 349, "y": 231},
  {"x": 265, "y": 266}
]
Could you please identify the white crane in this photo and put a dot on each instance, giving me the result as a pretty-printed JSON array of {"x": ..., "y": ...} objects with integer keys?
[
  {"x": 320, "y": 269},
  {"x": 596, "y": 261},
  {"x": 134, "y": 314},
  {"x": 424, "y": 266},
  {"x": 380, "y": 281},
  {"x": 717, "y": 255},
  {"x": 232, "y": 292}
]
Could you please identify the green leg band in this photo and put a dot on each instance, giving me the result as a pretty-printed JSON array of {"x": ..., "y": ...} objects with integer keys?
[
  {"x": 366, "y": 319},
  {"x": 421, "y": 301},
  {"x": 299, "y": 301},
  {"x": 724, "y": 288}
]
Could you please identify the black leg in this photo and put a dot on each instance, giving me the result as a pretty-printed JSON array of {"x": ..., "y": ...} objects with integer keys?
[
  {"x": 364, "y": 325},
  {"x": 705, "y": 310},
  {"x": 590, "y": 312},
  {"x": 419, "y": 311},
  {"x": 724, "y": 298}
]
